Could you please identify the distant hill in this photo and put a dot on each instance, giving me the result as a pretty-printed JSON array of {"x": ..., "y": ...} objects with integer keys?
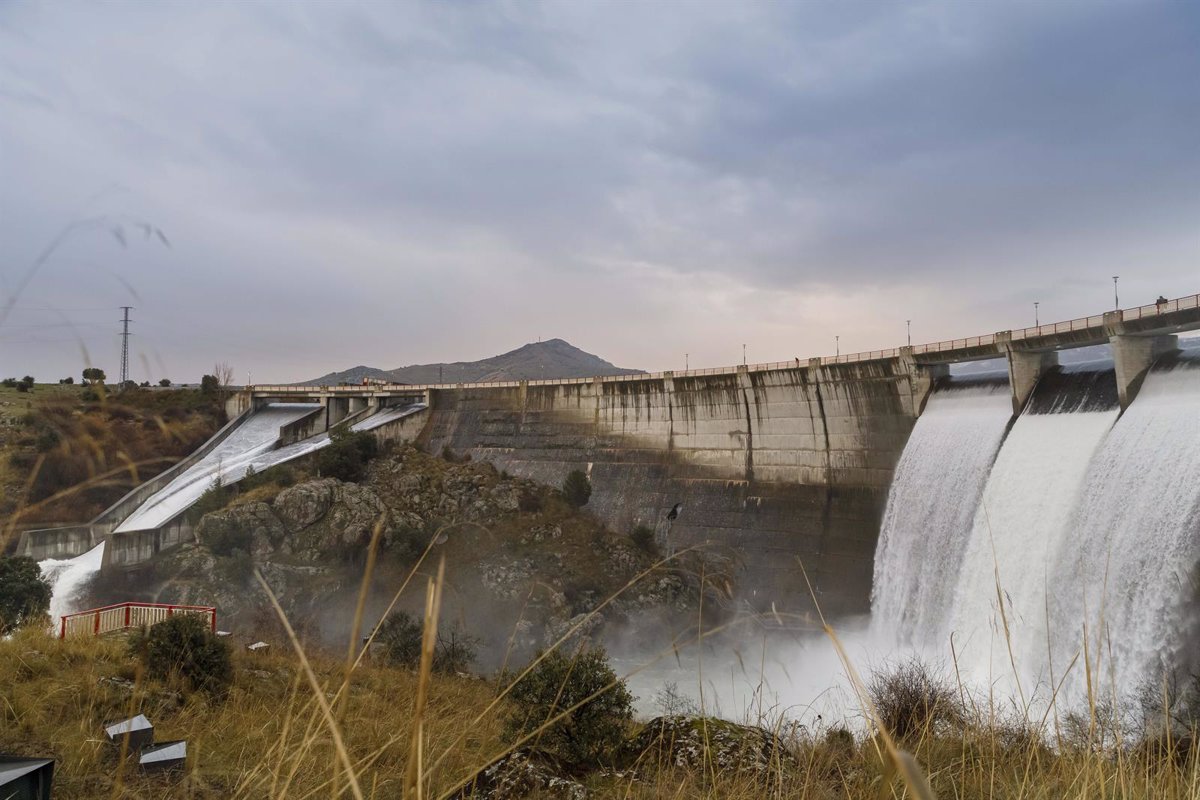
[{"x": 550, "y": 359}]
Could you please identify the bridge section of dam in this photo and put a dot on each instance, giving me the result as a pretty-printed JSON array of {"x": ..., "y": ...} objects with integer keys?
[{"x": 777, "y": 465}]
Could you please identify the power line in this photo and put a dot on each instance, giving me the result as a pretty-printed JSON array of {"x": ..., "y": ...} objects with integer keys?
[{"x": 125, "y": 346}]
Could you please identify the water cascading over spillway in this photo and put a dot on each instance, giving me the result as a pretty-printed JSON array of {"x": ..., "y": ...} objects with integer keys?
[
  {"x": 1127, "y": 566},
  {"x": 67, "y": 576},
  {"x": 932, "y": 504},
  {"x": 226, "y": 463},
  {"x": 251, "y": 444},
  {"x": 1023, "y": 522}
]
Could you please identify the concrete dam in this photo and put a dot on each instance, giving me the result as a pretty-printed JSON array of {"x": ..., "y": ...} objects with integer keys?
[{"x": 790, "y": 464}]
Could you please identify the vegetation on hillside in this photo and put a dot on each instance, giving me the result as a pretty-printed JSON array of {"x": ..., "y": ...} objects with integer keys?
[
  {"x": 67, "y": 452},
  {"x": 24, "y": 593}
]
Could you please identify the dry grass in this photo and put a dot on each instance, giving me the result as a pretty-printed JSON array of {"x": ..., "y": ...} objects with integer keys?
[
  {"x": 64, "y": 459},
  {"x": 268, "y": 739}
]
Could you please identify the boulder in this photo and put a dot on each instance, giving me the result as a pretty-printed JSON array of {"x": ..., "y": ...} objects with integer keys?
[
  {"x": 523, "y": 772},
  {"x": 302, "y": 505},
  {"x": 708, "y": 743}
]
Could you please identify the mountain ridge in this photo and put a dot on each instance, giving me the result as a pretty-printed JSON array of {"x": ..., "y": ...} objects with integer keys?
[{"x": 553, "y": 358}]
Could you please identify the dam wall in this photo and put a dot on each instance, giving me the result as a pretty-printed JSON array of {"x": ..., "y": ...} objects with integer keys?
[
  {"x": 774, "y": 467},
  {"x": 65, "y": 542}
]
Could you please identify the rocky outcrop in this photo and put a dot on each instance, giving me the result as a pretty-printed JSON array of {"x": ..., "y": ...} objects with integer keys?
[
  {"x": 514, "y": 551},
  {"x": 522, "y": 773},
  {"x": 708, "y": 743}
]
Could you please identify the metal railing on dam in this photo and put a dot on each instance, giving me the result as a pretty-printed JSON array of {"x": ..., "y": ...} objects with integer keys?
[{"x": 949, "y": 350}]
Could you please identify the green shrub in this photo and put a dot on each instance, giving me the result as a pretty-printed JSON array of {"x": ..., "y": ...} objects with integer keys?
[
  {"x": 24, "y": 593},
  {"x": 409, "y": 542},
  {"x": 577, "y": 488},
  {"x": 400, "y": 640},
  {"x": 226, "y": 539},
  {"x": 215, "y": 498},
  {"x": 347, "y": 454},
  {"x": 591, "y": 732},
  {"x": 182, "y": 648},
  {"x": 529, "y": 501},
  {"x": 643, "y": 539},
  {"x": 400, "y": 637}
]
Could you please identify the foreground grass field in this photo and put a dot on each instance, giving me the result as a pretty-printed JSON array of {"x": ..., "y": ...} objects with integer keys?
[{"x": 269, "y": 738}]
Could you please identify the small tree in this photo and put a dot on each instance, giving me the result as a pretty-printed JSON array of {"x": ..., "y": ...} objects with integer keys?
[
  {"x": 577, "y": 488},
  {"x": 28, "y": 379},
  {"x": 165, "y": 382},
  {"x": 67, "y": 381},
  {"x": 400, "y": 637},
  {"x": 347, "y": 454},
  {"x": 558, "y": 682},
  {"x": 24, "y": 593},
  {"x": 223, "y": 373},
  {"x": 183, "y": 648},
  {"x": 643, "y": 539},
  {"x": 209, "y": 385},
  {"x": 93, "y": 375}
]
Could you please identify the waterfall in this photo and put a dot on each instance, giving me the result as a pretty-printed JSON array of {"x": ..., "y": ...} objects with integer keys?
[
  {"x": 1126, "y": 568},
  {"x": 67, "y": 576},
  {"x": 931, "y": 505},
  {"x": 1023, "y": 521}
]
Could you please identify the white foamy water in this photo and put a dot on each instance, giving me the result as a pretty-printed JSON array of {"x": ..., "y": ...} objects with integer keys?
[
  {"x": 67, "y": 576},
  {"x": 252, "y": 444},
  {"x": 931, "y": 507},
  {"x": 1126, "y": 567},
  {"x": 297, "y": 449},
  {"x": 1023, "y": 521},
  {"x": 228, "y": 461}
]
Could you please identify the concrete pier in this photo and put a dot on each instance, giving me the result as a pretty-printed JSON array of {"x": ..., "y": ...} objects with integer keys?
[
  {"x": 1133, "y": 356},
  {"x": 1024, "y": 369}
]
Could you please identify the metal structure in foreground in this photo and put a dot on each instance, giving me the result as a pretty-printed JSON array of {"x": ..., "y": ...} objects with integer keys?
[{"x": 122, "y": 616}]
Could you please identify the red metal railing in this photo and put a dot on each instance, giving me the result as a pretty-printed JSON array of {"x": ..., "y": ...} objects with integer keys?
[{"x": 128, "y": 615}]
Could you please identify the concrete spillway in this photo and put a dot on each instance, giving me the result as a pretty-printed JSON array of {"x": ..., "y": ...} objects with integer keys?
[
  {"x": 1084, "y": 519},
  {"x": 1127, "y": 569},
  {"x": 1023, "y": 520},
  {"x": 932, "y": 503},
  {"x": 226, "y": 463},
  {"x": 252, "y": 445}
]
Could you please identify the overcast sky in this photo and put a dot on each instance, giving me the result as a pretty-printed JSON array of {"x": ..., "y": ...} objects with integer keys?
[{"x": 389, "y": 184}]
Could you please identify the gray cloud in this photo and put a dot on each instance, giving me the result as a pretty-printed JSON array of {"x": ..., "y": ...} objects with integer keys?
[{"x": 393, "y": 184}]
